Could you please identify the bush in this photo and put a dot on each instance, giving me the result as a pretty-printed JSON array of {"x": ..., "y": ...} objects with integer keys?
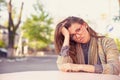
[{"x": 2, "y": 44}]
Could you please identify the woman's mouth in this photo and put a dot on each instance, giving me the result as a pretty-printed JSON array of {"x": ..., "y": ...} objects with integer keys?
[{"x": 81, "y": 39}]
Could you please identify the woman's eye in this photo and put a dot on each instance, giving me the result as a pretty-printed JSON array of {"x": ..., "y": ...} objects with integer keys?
[{"x": 78, "y": 30}]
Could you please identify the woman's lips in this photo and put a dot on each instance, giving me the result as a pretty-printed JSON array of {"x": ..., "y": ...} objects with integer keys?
[{"x": 81, "y": 39}]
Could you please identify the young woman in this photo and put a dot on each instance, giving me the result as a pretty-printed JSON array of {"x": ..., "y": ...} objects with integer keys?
[{"x": 80, "y": 48}]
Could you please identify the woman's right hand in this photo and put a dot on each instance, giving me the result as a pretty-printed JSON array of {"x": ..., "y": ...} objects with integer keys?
[
  {"x": 66, "y": 35},
  {"x": 65, "y": 32}
]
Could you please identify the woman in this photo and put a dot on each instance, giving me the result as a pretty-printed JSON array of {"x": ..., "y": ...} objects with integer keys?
[{"x": 80, "y": 48}]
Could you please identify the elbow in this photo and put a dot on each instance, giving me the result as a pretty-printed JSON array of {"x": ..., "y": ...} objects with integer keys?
[
  {"x": 62, "y": 68},
  {"x": 59, "y": 66},
  {"x": 111, "y": 69},
  {"x": 112, "y": 73}
]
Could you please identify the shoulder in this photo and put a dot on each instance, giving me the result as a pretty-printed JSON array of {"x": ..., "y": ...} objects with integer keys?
[{"x": 107, "y": 41}]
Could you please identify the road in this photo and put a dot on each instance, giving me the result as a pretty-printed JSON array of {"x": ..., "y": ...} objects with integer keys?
[{"x": 43, "y": 63}]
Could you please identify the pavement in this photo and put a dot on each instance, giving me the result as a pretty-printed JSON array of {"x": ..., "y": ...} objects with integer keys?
[{"x": 41, "y": 63}]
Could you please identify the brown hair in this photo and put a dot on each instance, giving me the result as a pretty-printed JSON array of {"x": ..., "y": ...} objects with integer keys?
[{"x": 59, "y": 38}]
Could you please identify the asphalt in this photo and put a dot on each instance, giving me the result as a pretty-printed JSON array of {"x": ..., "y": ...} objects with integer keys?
[{"x": 43, "y": 63}]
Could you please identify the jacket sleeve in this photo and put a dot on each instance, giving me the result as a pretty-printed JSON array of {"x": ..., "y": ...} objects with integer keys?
[
  {"x": 63, "y": 59},
  {"x": 112, "y": 65}
]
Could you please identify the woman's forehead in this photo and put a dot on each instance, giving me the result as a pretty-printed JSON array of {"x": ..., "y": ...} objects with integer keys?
[{"x": 73, "y": 27}]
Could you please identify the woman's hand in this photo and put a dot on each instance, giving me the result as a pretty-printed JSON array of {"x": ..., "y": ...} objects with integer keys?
[
  {"x": 65, "y": 32},
  {"x": 66, "y": 35},
  {"x": 70, "y": 67}
]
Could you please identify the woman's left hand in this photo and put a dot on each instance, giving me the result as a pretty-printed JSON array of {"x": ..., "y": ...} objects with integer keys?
[{"x": 70, "y": 67}]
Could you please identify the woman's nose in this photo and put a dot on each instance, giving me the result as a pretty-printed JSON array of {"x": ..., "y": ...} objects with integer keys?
[{"x": 77, "y": 35}]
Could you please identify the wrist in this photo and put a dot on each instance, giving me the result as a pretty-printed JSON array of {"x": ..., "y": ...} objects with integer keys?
[
  {"x": 87, "y": 68},
  {"x": 66, "y": 41},
  {"x": 64, "y": 51},
  {"x": 67, "y": 36}
]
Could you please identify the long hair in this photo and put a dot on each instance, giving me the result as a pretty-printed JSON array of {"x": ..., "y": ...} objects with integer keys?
[{"x": 59, "y": 38}]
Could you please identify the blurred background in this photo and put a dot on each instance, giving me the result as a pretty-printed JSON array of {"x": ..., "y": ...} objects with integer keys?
[{"x": 27, "y": 26}]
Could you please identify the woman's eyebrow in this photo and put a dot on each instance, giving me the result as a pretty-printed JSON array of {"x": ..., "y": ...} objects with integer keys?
[{"x": 77, "y": 29}]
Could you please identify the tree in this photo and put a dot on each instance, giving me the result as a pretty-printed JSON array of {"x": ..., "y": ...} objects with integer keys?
[
  {"x": 37, "y": 28},
  {"x": 12, "y": 28}
]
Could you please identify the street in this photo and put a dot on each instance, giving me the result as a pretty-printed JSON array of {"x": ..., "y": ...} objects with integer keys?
[{"x": 43, "y": 63}]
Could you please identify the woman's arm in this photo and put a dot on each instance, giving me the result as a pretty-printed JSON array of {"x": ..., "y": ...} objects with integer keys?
[
  {"x": 70, "y": 67},
  {"x": 64, "y": 53},
  {"x": 66, "y": 36},
  {"x": 111, "y": 66}
]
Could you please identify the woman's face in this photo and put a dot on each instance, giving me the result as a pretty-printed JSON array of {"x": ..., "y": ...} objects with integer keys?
[{"x": 79, "y": 33}]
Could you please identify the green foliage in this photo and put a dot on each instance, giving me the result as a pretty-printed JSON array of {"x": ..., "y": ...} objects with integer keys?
[
  {"x": 2, "y": 44},
  {"x": 37, "y": 45},
  {"x": 37, "y": 28},
  {"x": 118, "y": 43},
  {"x": 1, "y": 1}
]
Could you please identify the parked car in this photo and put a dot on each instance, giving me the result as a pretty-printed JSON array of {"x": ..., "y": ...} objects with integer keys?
[{"x": 3, "y": 52}]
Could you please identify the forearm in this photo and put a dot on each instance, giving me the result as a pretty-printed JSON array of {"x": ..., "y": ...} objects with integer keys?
[
  {"x": 64, "y": 54},
  {"x": 84, "y": 68},
  {"x": 66, "y": 41},
  {"x": 65, "y": 47},
  {"x": 70, "y": 67},
  {"x": 61, "y": 60},
  {"x": 64, "y": 59},
  {"x": 112, "y": 65}
]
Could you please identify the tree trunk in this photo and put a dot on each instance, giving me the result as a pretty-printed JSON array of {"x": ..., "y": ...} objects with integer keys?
[
  {"x": 12, "y": 29},
  {"x": 11, "y": 44}
]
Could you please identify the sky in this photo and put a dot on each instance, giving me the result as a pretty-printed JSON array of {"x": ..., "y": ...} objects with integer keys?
[{"x": 98, "y": 12}]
